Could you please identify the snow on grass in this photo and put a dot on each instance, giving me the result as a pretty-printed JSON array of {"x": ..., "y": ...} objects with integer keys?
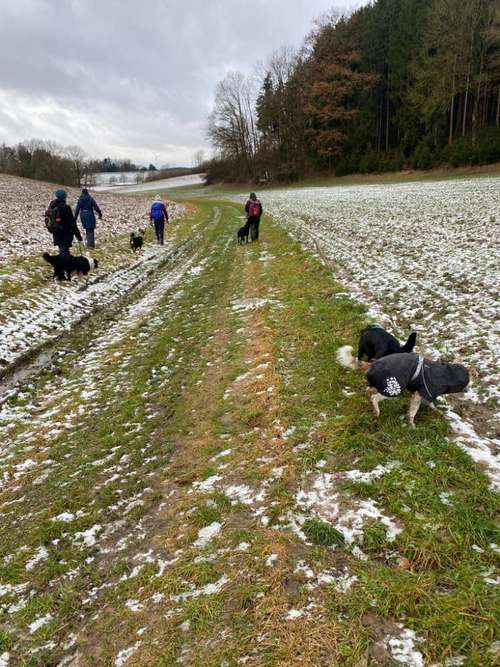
[
  {"x": 126, "y": 653},
  {"x": 402, "y": 648},
  {"x": 422, "y": 256},
  {"x": 320, "y": 498},
  {"x": 40, "y": 555},
  {"x": 208, "y": 589},
  {"x": 207, "y": 533},
  {"x": 40, "y": 622},
  {"x": 24, "y": 201}
]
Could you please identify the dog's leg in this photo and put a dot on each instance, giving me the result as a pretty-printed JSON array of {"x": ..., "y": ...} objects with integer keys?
[
  {"x": 375, "y": 399},
  {"x": 415, "y": 402}
]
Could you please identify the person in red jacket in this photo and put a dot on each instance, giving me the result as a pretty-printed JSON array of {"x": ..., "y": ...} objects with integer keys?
[
  {"x": 158, "y": 215},
  {"x": 253, "y": 209}
]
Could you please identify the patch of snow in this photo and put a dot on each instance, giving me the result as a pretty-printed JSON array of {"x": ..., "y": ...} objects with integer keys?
[
  {"x": 125, "y": 654},
  {"x": 403, "y": 649},
  {"x": 207, "y": 533},
  {"x": 39, "y": 622}
]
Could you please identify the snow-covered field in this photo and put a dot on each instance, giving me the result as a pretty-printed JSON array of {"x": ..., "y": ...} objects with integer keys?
[
  {"x": 24, "y": 201},
  {"x": 161, "y": 184},
  {"x": 423, "y": 256}
]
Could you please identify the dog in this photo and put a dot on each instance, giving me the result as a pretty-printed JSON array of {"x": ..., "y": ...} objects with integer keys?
[
  {"x": 137, "y": 240},
  {"x": 243, "y": 234},
  {"x": 389, "y": 376},
  {"x": 65, "y": 265},
  {"x": 374, "y": 343}
]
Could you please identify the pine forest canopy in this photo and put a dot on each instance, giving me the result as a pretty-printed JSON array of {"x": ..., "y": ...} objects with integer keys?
[{"x": 396, "y": 83}]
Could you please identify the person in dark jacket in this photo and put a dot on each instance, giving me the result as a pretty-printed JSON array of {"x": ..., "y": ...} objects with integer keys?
[
  {"x": 67, "y": 228},
  {"x": 253, "y": 209},
  {"x": 85, "y": 208},
  {"x": 158, "y": 215}
]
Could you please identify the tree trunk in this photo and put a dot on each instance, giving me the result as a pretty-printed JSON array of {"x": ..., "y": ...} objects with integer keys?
[
  {"x": 387, "y": 124},
  {"x": 452, "y": 105},
  {"x": 466, "y": 99},
  {"x": 475, "y": 109},
  {"x": 497, "y": 119}
]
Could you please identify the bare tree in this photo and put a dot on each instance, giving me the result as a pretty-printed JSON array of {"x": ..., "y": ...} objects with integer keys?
[
  {"x": 231, "y": 126},
  {"x": 199, "y": 158},
  {"x": 77, "y": 157}
]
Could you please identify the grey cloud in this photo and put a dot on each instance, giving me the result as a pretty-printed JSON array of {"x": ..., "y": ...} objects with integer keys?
[{"x": 129, "y": 78}]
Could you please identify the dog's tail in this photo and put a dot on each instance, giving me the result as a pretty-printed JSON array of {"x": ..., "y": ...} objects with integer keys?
[
  {"x": 345, "y": 358},
  {"x": 410, "y": 343}
]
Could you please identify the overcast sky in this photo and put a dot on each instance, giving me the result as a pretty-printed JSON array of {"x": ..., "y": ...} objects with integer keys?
[{"x": 133, "y": 78}]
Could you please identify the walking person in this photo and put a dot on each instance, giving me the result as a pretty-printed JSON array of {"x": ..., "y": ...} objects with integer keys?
[
  {"x": 253, "y": 209},
  {"x": 85, "y": 208},
  {"x": 61, "y": 223},
  {"x": 158, "y": 215}
]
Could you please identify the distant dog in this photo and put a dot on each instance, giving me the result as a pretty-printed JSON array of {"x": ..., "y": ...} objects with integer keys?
[
  {"x": 389, "y": 376},
  {"x": 374, "y": 343},
  {"x": 243, "y": 234},
  {"x": 65, "y": 265},
  {"x": 137, "y": 240}
]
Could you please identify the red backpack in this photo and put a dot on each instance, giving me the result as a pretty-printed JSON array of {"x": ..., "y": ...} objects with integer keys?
[{"x": 254, "y": 208}]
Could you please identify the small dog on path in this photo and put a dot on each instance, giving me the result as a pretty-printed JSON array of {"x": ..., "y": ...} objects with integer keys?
[
  {"x": 137, "y": 240},
  {"x": 65, "y": 265},
  {"x": 243, "y": 234}
]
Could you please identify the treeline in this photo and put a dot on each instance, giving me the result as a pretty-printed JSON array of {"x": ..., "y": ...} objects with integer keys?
[
  {"x": 110, "y": 166},
  {"x": 398, "y": 83},
  {"x": 44, "y": 161}
]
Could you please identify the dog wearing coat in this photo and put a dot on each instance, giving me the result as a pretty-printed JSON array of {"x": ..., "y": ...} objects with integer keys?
[{"x": 389, "y": 375}]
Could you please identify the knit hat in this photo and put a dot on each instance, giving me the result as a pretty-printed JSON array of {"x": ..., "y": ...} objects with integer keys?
[{"x": 60, "y": 194}]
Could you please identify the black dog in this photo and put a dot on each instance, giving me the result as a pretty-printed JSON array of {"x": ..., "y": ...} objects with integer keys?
[
  {"x": 243, "y": 234},
  {"x": 374, "y": 343},
  {"x": 390, "y": 376},
  {"x": 137, "y": 240},
  {"x": 65, "y": 265}
]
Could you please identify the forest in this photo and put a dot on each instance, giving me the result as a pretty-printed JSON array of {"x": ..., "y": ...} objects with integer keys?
[{"x": 396, "y": 84}]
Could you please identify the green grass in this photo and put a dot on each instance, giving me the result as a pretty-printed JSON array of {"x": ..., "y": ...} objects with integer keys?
[{"x": 170, "y": 424}]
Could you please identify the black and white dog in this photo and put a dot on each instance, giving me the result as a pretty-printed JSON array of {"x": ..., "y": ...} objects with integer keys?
[
  {"x": 243, "y": 233},
  {"x": 389, "y": 376},
  {"x": 65, "y": 265},
  {"x": 137, "y": 240},
  {"x": 374, "y": 343}
]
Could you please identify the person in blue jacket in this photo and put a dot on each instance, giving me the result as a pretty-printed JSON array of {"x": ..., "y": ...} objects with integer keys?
[
  {"x": 158, "y": 215},
  {"x": 85, "y": 207}
]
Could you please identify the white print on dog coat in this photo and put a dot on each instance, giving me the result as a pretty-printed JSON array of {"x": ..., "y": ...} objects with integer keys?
[{"x": 392, "y": 387}]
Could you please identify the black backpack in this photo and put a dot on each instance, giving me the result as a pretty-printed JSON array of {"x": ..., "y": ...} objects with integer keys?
[{"x": 53, "y": 219}]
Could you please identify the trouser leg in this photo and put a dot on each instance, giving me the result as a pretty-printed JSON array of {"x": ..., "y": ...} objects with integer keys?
[
  {"x": 252, "y": 229},
  {"x": 63, "y": 249},
  {"x": 257, "y": 223},
  {"x": 90, "y": 238},
  {"x": 157, "y": 230}
]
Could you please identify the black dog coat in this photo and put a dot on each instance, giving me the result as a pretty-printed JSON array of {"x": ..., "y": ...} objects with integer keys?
[{"x": 393, "y": 374}]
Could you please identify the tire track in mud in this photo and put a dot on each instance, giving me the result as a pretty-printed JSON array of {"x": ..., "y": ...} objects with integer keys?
[
  {"x": 42, "y": 446},
  {"x": 29, "y": 338}
]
